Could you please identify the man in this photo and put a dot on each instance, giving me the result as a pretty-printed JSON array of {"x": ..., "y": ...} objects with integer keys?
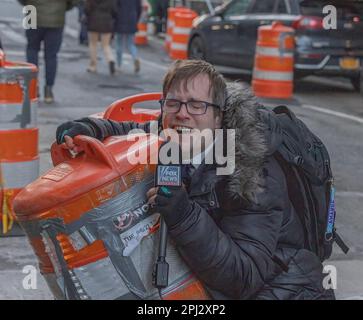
[
  {"x": 238, "y": 233},
  {"x": 50, "y": 24}
]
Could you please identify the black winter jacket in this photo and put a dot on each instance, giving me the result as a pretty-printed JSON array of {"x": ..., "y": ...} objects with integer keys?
[
  {"x": 128, "y": 15},
  {"x": 243, "y": 239},
  {"x": 101, "y": 15}
]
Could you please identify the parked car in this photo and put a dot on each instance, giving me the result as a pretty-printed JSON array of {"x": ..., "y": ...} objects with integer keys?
[{"x": 228, "y": 37}]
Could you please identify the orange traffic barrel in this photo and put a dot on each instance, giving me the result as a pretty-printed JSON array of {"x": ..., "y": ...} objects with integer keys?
[
  {"x": 183, "y": 23},
  {"x": 141, "y": 34},
  {"x": 170, "y": 23},
  {"x": 19, "y": 158},
  {"x": 90, "y": 226},
  {"x": 273, "y": 71}
]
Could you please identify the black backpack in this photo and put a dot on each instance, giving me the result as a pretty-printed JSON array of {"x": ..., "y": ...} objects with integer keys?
[{"x": 306, "y": 165}]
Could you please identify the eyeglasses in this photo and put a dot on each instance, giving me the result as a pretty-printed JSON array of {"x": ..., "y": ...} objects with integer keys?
[{"x": 193, "y": 107}]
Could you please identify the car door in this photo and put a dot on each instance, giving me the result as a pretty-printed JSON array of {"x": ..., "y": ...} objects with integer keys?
[{"x": 224, "y": 33}]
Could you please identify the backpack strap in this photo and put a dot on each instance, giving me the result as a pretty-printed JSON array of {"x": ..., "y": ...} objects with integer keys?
[{"x": 339, "y": 241}]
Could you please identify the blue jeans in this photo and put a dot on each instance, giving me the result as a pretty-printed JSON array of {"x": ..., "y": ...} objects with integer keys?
[
  {"x": 121, "y": 38},
  {"x": 52, "y": 38}
]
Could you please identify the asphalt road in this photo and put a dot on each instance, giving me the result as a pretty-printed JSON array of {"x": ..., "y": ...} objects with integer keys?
[{"x": 329, "y": 107}]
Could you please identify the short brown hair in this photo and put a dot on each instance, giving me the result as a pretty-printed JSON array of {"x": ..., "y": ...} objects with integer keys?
[{"x": 184, "y": 70}]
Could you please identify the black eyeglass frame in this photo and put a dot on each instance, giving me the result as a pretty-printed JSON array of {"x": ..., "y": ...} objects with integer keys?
[{"x": 207, "y": 104}]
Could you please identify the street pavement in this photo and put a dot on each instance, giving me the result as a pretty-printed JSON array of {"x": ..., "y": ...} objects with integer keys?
[{"x": 329, "y": 107}]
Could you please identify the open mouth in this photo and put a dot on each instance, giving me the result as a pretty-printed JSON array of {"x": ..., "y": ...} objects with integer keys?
[{"x": 182, "y": 129}]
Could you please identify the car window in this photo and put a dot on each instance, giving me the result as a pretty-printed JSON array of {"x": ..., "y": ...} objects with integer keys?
[
  {"x": 281, "y": 7},
  {"x": 265, "y": 6},
  {"x": 237, "y": 8},
  {"x": 345, "y": 10}
]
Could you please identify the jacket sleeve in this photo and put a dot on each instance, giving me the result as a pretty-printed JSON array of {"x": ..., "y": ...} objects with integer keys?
[
  {"x": 105, "y": 128},
  {"x": 138, "y": 9},
  {"x": 234, "y": 257}
]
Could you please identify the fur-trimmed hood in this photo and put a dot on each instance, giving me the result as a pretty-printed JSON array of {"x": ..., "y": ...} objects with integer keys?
[{"x": 245, "y": 114}]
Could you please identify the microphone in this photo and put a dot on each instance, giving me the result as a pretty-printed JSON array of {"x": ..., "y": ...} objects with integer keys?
[{"x": 165, "y": 176}]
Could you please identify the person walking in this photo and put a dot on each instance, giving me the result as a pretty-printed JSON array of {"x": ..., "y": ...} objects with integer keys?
[
  {"x": 100, "y": 22},
  {"x": 50, "y": 24},
  {"x": 128, "y": 15}
]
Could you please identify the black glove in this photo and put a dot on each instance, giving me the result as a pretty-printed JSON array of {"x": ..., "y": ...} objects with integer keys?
[
  {"x": 173, "y": 204},
  {"x": 72, "y": 129}
]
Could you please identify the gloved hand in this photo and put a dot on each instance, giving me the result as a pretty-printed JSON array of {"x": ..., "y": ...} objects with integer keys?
[
  {"x": 72, "y": 129},
  {"x": 171, "y": 202}
]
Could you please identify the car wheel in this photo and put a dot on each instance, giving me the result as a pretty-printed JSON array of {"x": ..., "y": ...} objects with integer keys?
[
  {"x": 357, "y": 83},
  {"x": 197, "y": 49}
]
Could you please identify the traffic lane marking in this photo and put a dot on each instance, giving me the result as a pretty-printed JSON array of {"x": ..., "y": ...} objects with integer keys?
[{"x": 333, "y": 113}]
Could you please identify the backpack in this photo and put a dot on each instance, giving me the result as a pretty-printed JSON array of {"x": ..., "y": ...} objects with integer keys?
[{"x": 305, "y": 162}]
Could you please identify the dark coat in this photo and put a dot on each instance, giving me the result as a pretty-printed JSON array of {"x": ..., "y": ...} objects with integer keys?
[
  {"x": 243, "y": 238},
  {"x": 128, "y": 15},
  {"x": 101, "y": 15},
  {"x": 51, "y": 13}
]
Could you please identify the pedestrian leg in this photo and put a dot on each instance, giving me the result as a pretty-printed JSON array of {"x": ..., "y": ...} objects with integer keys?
[
  {"x": 106, "y": 41},
  {"x": 83, "y": 39},
  {"x": 133, "y": 51},
  {"x": 34, "y": 39},
  {"x": 92, "y": 45},
  {"x": 52, "y": 43},
  {"x": 119, "y": 48}
]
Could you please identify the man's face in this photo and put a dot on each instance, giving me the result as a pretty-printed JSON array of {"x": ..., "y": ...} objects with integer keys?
[{"x": 197, "y": 89}]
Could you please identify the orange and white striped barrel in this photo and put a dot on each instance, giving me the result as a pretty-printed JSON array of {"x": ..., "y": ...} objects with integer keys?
[
  {"x": 171, "y": 23},
  {"x": 169, "y": 27},
  {"x": 273, "y": 72},
  {"x": 19, "y": 159},
  {"x": 180, "y": 34},
  {"x": 141, "y": 34}
]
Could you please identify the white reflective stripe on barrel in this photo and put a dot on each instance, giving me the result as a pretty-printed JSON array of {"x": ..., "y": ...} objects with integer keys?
[
  {"x": 141, "y": 33},
  {"x": 272, "y": 75},
  {"x": 273, "y": 52},
  {"x": 180, "y": 30},
  {"x": 17, "y": 175},
  {"x": 179, "y": 46}
]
